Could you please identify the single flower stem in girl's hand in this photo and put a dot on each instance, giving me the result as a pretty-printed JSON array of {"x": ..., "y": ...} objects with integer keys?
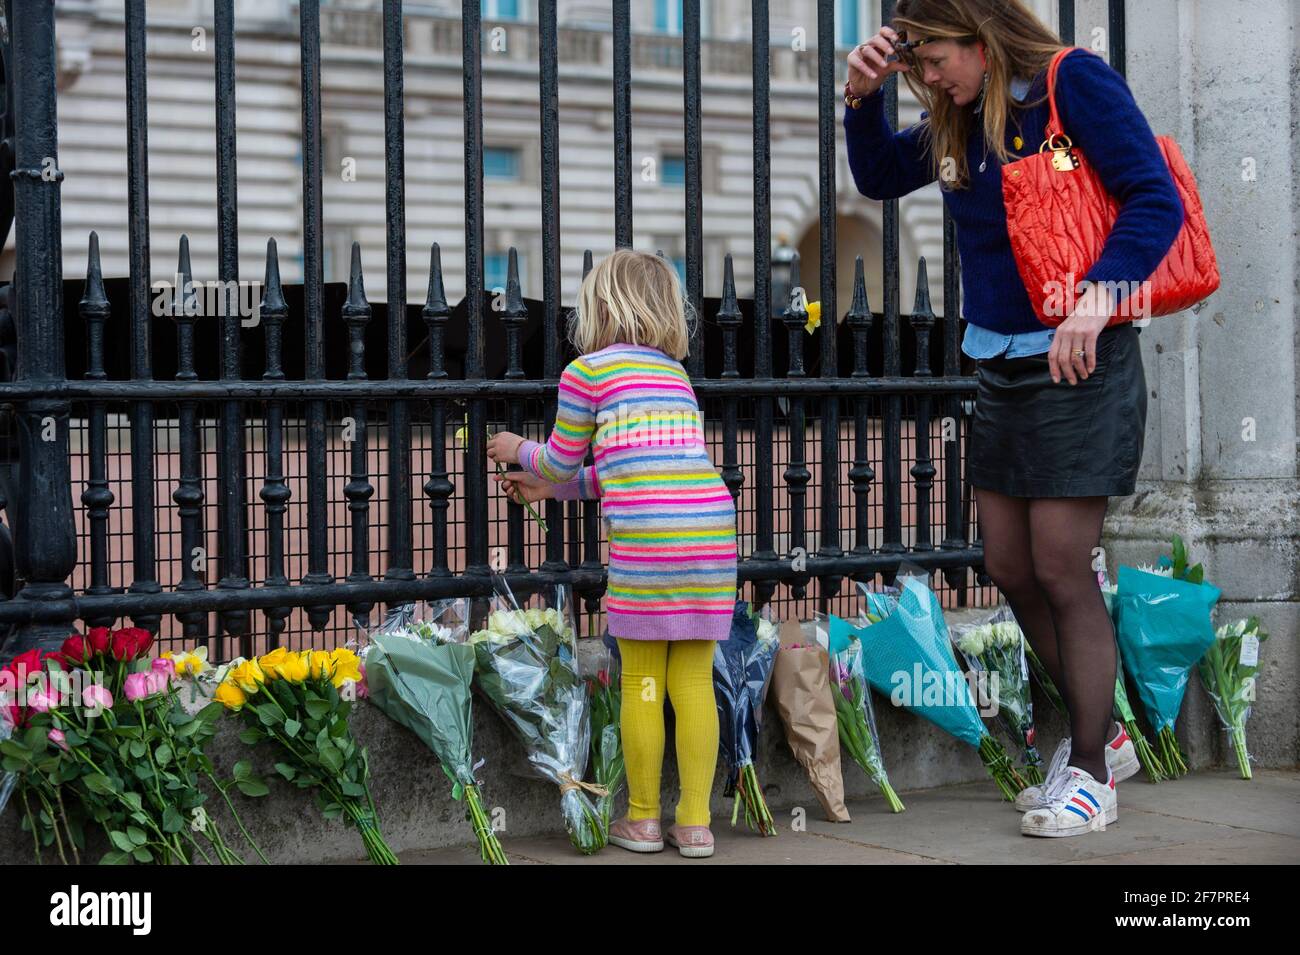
[
  {"x": 461, "y": 434},
  {"x": 531, "y": 512}
]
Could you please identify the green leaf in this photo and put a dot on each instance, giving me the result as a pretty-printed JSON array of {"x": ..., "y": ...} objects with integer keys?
[
  {"x": 251, "y": 735},
  {"x": 317, "y": 708},
  {"x": 172, "y": 820},
  {"x": 121, "y": 840},
  {"x": 243, "y": 770},
  {"x": 285, "y": 770},
  {"x": 252, "y": 787},
  {"x": 331, "y": 758},
  {"x": 163, "y": 754},
  {"x": 15, "y": 751},
  {"x": 291, "y": 728},
  {"x": 352, "y": 789},
  {"x": 142, "y": 854},
  {"x": 98, "y": 783},
  {"x": 114, "y": 857},
  {"x": 269, "y": 714},
  {"x": 137, "y": 836}
]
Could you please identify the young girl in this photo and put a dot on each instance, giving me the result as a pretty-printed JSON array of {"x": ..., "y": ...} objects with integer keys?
[{"x": 671, "y": 522}]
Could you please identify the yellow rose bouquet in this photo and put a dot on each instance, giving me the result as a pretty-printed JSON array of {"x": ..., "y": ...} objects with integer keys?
[{"x": 300, "y": 701}]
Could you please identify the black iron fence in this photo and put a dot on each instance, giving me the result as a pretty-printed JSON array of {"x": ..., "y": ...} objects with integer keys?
[{"x": 222, "y": 491}]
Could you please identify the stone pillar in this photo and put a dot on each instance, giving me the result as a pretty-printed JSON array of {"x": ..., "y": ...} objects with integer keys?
[{"x": 1220, "y": 463}]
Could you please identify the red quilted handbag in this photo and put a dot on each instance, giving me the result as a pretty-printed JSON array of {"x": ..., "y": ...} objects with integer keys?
[{"x": 1058, "y": 217}]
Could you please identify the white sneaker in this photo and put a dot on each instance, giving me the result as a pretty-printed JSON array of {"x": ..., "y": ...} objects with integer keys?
[
  {"x": 1121, "y": 759},
  {"x": 1079, "y": 804}
]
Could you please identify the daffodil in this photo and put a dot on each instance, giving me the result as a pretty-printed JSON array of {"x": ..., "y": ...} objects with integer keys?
[
  {"x": 814, "y": 317},
  {"x": 189, "y": 663}
]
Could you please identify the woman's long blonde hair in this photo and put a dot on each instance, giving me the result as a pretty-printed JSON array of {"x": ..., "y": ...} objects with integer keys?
[
  {"x": 633, "y": 298},
  {"x": 1016, "y": 43}
]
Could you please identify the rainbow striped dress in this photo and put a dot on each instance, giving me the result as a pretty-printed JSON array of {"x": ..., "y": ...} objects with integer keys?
[{"x": 670, "y": 518}]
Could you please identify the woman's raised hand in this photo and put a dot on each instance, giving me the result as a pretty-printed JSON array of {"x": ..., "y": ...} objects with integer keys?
[{"x": 868, "y": 68}]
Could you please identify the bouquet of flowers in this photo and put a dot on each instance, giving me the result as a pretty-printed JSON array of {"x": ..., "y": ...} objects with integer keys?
[
  {"x": 98, "y": 736},
  {"x": 804, "y": 698},
  {"x": 997, "y": 646},
  {"x": 1164, "y": 628},
  {"x": 607, "y": 766},
  {"x": 418, "y": 672},
  {"x": 1228, "y": 673},
  {"x": 854, "y": 715},
  {"x": 742, "y": 669},
  {"x": 525, "y": 664},
  {"x": 1151, "y": 764},
  {"x": 908, "y": 656},
  {"x": 299, "y": 702}
]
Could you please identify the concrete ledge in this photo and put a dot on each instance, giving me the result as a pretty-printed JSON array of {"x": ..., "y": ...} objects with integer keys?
[{"x": 417, "y": 812}]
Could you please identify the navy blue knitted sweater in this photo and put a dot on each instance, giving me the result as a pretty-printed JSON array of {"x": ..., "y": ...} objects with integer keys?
[{"x": 1100, "y": 117}]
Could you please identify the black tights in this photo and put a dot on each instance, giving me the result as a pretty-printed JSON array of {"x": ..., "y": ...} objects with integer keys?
[{"x": 1039, "y": 552}]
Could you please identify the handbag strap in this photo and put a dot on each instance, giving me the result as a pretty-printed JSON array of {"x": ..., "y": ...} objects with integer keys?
[{"x": 1054, "y": 128}]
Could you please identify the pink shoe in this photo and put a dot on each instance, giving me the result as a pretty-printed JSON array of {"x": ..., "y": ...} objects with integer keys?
[
  {"x": 694, "y": 842},
  {"x": 638, "y": 835}
]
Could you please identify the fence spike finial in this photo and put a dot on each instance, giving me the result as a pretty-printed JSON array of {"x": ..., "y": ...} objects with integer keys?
[
  {"x": 273, "y": 302},
  {"x": 185, "y": 297},
  {"x": 859, "y": 312},
  {"x": 729, "y": 310},
  {"x": 922, "y": 311},
  {"x": 94, "y": 298},
  {"x": 435, "y": 301},
  {"x": 356, "y": 302},
  {"x": 514, "y": 292}
]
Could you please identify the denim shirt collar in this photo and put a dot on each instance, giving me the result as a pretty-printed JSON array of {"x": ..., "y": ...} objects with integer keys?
[{"x": 1019, "y": 88}]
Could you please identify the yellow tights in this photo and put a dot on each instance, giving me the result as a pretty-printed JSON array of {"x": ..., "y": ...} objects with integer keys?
[{"x": 684, "y": 670}]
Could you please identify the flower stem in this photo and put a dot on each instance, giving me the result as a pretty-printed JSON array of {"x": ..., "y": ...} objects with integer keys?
[
  {"x": 1239, "y": 744},
  {"x": 489, "y": 846}
]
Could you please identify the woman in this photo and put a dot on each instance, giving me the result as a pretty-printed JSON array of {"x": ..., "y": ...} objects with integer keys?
[{"x": 1060, "y": 413}]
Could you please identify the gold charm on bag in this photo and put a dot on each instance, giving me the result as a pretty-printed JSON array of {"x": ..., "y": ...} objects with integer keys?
[{"x": 1063, "y": 157}]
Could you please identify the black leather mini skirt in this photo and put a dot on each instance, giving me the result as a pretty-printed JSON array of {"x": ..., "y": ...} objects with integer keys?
[{"x": 1032, "y": 437}]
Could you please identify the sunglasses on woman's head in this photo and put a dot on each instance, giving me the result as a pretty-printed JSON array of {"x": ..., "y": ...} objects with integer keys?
[{"x": 904, "y": 49}]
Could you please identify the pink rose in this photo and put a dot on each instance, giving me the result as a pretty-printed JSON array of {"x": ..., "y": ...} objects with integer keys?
[
  {"x": 139, "y": 686},
  {"x": 163, "y": 665},
  {"x": 40, "y": 702},
  {"x": 58, "y": 739},
  {"x": 97, "y": 697}
]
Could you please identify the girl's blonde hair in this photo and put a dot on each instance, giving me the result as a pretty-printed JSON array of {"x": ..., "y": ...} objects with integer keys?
[
  {"x": 1016, "y": 43},
  {"x": 633, "y": 298}
]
